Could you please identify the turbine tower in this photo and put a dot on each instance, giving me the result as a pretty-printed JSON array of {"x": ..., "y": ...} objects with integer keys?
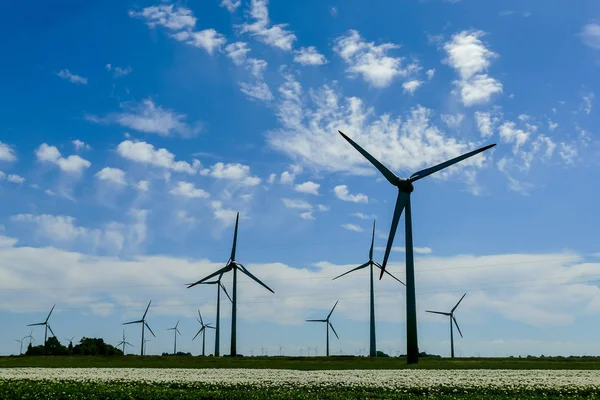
[
  {"x": 21, "y": 342},
  {"x": 451, "y": 315},
  {"x": 203, "y": 331},
  {"x": 220, "y": 287},
  {"x": 175, "y": 332},
  {"x": 233, "y": 265},
  {"x": 45, "y": 323},
  {"x": 327, "y": 325},
  {"x": 144, "y": 324},
  {"x": 405, "y": 188},
  {"x": 371, "y": 263},
  {"x": 124, "y": 342},
  {"x": 30, "y": 337}
]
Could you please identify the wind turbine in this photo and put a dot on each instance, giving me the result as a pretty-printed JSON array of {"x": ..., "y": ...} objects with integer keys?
[
  {"x": 328, "y": 324},
  {"x": 21, "y": 342},
  {"x": 371, "y": 263},
  {"x": 124, "y": 342},
  {"x": 405, "y": 188},
  {"x": 144, "y": 324},
  {"x": 45, "y": 323},
  {"x": 203, "y": 331},
  {"x": 218, "y": 323},
  {"x": 30, "y": 336},
  {"x": 233, "y": 265},
  {"x": 451, "y": 315},
  {"x": 175, "y": 332},
  {"x": 70, "y": 340},
  {"x": 144, "y": 343}
]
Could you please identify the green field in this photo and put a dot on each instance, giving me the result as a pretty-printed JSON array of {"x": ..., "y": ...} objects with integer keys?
[{"x": 301, "y": 363}]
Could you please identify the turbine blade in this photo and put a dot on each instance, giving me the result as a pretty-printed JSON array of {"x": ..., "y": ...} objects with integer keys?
[
  {"x": 245, "y": 271},
  {"x": 225, "y": 290},
  {"x": 211, "y": 327},
  {"x": 51, "y": 331},
  {"x": 331, "y": 312},
  {"x": 458, "y": 303},
  {"x": 129, "y": 344},
  {"x": 333, "y": 329},
  {"x": 120, "y": 343},
  {"x": 428, "y": 171},
  {"x": 177, "y": 330},
  {"x": 50, "y": 313},
  {"x": 457, "y": 327},
  {"x": 223, "y": 270},
  {"x": 438, "y": 312},
  {"x": 400, "y": 204},
  {"x": 352, "y": 270},
  {"x": 316, "y": 320},
  {"x": 197, "y": 334},
  {"x": 387, "y": 272},
  {"x": 372, "y": 243},
  {"x": 389, "y": 175},
  {"x": 132, "y": 322},
  {"x": 148, "y": 326},
  {"x": 146, "y": 312},
  {"x": 237, "y": 219},
  {"x": 39, "y": 323},
  {"x": 200, "y": 315},
  {"x": 177, "y": 324}
]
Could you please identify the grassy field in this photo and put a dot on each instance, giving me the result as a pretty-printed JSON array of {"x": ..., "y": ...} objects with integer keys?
[{"x": 300, "y": 363}]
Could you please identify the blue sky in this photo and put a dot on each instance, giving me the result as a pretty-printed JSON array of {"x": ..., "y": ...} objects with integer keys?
[{"x": 134, "y": 131}]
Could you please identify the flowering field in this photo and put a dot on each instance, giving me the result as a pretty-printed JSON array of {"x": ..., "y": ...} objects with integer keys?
[{"x": 141, "y": 383}]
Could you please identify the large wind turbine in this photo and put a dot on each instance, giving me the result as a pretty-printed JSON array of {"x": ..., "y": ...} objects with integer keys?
[
  {"x": 175, "y": 332},
  {"x": 405, "y": 188},
  {"x": 124, "y": 342},
  {"x": 203, "y": 331},
  {"x": 371, "y": 263},
  {"x": 233, "y": 265},
  {"x": 327, "y": 325},
  {"x": 144, "y": 324},
  {"x": 451, "y": 315},
  {"x": 45, "y": 323},
  {"x": 218, "y": 323}
]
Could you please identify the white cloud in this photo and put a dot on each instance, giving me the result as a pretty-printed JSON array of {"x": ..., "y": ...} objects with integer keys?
[
  {"x": 333, "y": 11},
  {"x": 352, "y": 227},
  {"x": 12, "y": 178},
  {"x": 65, "y": 74},
  {"x": 145, "y": 153},
  {"x": 143, "y": 185},
  {"x": 114, "y": 175},
  {"x": 272, "y": 178},
  {"x": 369, "y": 60},
  {"x": 287, "y": 178},
  {"x": 149, "y": 118},
  {"x": 308, "y": 187},
  {"x": 235, "y": 172},
  {"x": 590, "y": 34},
  {"x": 7, "y": 153},
  {"x": 231, "y": 5},
  {"x": 272, "y": 35},
  {"x": 430, "y": 73},
  {"x": 552, "y": 126},
  {"x": 187, "y": 189},
  {"x": 79, "y": 145},
  {"x": 225, "y": 215},
  {"x": 568, "y": 153},
  {"x": 364, "y": 216},
  {"x": 308, "y": 215},
  {"x": 49, "y": 192},
  {"x": 237, "y": 52},
  {"x": 484, "y": 123},
  {"x": 510, "y": 134},
  {"x": 72, "y": 164},
  {"x": 258, "y": 91},
  {"x": 342, "y": 193},
  {"x": 120, "y": 72},
  {"x": 411, "y": 86},
  {"x": 471, "y": 58},
  {"x": 309, "y": 56},
  {"x": 207, "y": 39},
  {"x": 587, "y": 102},
  {"x": 296, "y": 204},
  {"x": 452, "y": 120}
]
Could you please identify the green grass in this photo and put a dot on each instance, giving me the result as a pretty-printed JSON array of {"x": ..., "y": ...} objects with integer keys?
[{"x": 301, "y": 363}]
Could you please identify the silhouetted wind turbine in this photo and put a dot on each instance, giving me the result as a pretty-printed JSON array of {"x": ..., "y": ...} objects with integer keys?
[
  {"x": 30, "y": 336},
  {"x": 203, "y": 331},
  {"x": 70, "y": 340},
  {"x": 451, "y": 315},
  {"x": 124, "y": 342},
  {"x": 144, "y": 324},
  {"x": 371, "y": 263},
  {"x": 405, "y": 188},
  {"x": 328, "y": 324},
  {"x": 45, "y": 323},
  {"x": 175, "y": 332},
  {"x": 21, "y": 342},
  {"x": 218, "y": 323},
  {"x": 233, "y": 265}
]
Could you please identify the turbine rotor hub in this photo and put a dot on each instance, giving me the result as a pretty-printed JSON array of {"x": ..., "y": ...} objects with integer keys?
[{"x": 405, "y": 186}]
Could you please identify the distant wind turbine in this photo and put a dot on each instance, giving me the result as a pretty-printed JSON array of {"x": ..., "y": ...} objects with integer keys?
[
  {"x": 233, "y": 265},
  {"x": 45, "y": 323},
  {"x": 451, "y": 315},
  {"x": 144, "y": 343},
  {"x": 144, "y": 324},
  {"x": 21, "y": 342},
  {"x": 327, "y": 326},
  {"x": 175, "y": 332},
  {"x": 70, "y": 340},
  {"x": 371, "y": 263},
  {"x": 203, "y": 331},
  {"x": 124, "y": 342},
  {"x": 405, "y": 188}
]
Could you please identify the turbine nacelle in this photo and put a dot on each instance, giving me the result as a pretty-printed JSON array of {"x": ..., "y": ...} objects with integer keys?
[{"x": 405, "y": 185}]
